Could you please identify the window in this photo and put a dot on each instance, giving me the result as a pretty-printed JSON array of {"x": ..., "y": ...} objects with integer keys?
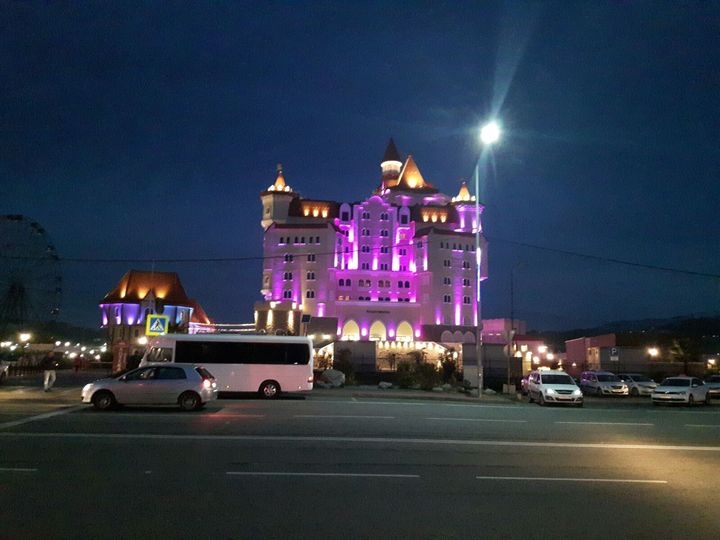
[
  {"x": 466, "y": 282},
  {"x": 287, "y": 276},
  {"x": 141, "y": 374},
  {"x": 295, "y": 241},
  {"x": 365, "y": 249},
  {"x": 287, "y": 294},
  {"x": 345, "y": 216},
  {"x": 384, "y": 233},
  {"x": 241, "y": 352},
  {"x": 466, "y": 300},
  {"x": 348, "y": 282},
  {"x": 310, "y": 275},
  {"x": 364, "y": 266},
  {"x": 341, "y": 282},
  {"x": 311, "y": 240},
  {"x": 447, "y": 281},
  {"x": 282, "y": 240},
  {"x": 466, "y": 265},
  {"x": 447, "y": 263},
  {"x": 366, "y": 215},
  {"x": 447, "y": 299},
  {"x": 317, "y": 239},
  {"x": 288, "y": 257},
  {"x": 403, "y": 219},
  {"x": 302, "y": 239},
  {"x": 384, "y": 266},
  {"x": 402, "y": 251},
  {"x": 167, "y": 373},
  {"x": 365, "y": 232},
  {"x": 383, "y": 216},
  {"x": 403, "y": 268},
  {"x": 407, "y": 284},
  {"x": 311, "y": 257},
  {"x": 310, "y": 294},
  {"x": 400, "y": 284},
  {"x": 384, "y": 249}
]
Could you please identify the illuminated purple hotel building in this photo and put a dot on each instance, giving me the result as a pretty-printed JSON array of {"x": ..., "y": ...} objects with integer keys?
[{"x": 398, "y": 266}]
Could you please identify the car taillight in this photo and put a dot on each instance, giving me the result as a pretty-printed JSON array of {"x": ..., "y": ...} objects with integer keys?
[{"x": 207, "y": 383}]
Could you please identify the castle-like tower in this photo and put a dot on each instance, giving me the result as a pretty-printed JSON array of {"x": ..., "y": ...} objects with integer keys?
[{"x": 398, "y": 266}]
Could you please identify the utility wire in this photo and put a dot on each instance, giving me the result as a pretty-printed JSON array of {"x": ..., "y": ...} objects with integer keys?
[{"x": 190, "y": 260}]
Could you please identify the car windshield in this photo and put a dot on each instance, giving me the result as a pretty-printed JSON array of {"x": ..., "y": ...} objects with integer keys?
[
  {"x": 676, "y": 382},
  {"x": 557, "y": 379},
  {"x": 640, "y": 378},
  {"x": 714, "y": 378},
  {"x": 607, "y": 377}
]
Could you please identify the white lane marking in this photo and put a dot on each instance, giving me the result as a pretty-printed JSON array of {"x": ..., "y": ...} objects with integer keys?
[
  {"x": 543, "y": 479},
  {"x": 142, "y": 414},
  {"x": 17, "y": 469},
  {"x": 703, "y": 425},
  {"x": 368, "y": 440},
  {"x": 480, "y": 420},
  {"x": 608, "y": 423},
  {"x": 43, "y": 416},
  {"x": 349, "y": 475},
  {"x": 341, "y": 416}
]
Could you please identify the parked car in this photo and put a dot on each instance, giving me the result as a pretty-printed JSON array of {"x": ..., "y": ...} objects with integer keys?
[
  {"x": 553, "y": 386},
  {"x": 186, "y": 385},
  {"x": 638, "y": 385},
  {"x": 602, "y": 383},
  {"x": 688, "y": 390},
  {"x": 713, "y": 384}
]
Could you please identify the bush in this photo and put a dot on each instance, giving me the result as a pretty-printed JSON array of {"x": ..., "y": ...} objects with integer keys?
[
  {"x": 404, "y": 376},
  {"x": 343, "y": 362},
  {"x": 449, "y": 371},
  {"x": 426, "y": 376}
]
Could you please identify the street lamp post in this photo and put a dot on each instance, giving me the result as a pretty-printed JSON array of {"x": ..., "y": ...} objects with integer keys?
[{"x": 489, "y": 135}]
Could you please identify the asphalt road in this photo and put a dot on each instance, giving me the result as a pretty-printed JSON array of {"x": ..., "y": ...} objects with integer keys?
[{"x": 360, "y": 468}]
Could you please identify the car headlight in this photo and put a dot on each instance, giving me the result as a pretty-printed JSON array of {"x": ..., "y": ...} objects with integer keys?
[
  {"x": 550, "y": 392},
  {"x": 577, "y": 392},
  {"x": 86, "y": 388}
]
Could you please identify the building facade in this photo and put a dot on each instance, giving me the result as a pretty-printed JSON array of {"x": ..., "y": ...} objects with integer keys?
[
  {"x": 400, "y": 265},
  {"x": 125, "y": 308}
]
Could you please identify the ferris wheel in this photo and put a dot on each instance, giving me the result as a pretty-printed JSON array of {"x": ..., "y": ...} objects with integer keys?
[{"x": 30, "y": 278}]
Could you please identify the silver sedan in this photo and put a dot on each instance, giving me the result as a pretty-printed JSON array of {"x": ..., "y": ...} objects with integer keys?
[{"x": 186, "y": 385}]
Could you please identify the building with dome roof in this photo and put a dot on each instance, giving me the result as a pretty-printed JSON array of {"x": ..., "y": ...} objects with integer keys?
[{"x": 397, "y": 267}]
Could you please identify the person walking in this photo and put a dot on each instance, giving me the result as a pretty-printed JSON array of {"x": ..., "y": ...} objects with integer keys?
[{"x": 49, "y": 376}]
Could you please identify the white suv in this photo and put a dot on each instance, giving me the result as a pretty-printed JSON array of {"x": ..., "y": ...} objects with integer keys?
[{"x": 547, "y": 386}]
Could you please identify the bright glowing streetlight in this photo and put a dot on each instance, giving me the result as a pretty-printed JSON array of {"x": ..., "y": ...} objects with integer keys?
[
  {"x": 489, "y": 135},
  {"x": 652, "y": 351},
  {"x": 25, "y": 337}
]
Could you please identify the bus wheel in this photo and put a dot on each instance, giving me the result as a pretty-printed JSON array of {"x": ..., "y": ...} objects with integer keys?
[{"x": 269, "y": 390}]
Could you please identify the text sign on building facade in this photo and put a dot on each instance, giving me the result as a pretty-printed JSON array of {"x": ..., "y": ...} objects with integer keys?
[
  {"x": 157, "y": 325},
  {"x": 614, "y": 355}
]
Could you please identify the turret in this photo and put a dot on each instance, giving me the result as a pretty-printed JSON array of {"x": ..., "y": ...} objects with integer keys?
[
  {"x": 390, "y": 165},
  {"x": 276, "y": 200}
]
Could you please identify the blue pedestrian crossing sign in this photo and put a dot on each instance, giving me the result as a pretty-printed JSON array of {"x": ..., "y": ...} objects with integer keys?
[{"x": 156, "y": 325}]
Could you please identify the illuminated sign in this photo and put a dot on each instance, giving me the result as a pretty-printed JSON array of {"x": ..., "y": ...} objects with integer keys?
[{"x": 156, "y": 325}]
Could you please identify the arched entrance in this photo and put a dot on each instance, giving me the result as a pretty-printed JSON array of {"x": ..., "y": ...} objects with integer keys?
[
  {"x": 404, "y": 332},
  {"x": 378, "y": 332},
  {"x": 350, "y": 331}
]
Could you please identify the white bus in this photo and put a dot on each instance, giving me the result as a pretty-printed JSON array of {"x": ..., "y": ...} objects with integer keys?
[{"x": 268, "y": 365}]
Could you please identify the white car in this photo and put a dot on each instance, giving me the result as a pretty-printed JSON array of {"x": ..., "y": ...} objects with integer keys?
[
  {"x": 552, "y": 386},
  {"x": 688, "y": 390},
  {"x": 186, "y": 385},
  {"x": 639, "y": 385},
  {"x": 602, "y": 383}
]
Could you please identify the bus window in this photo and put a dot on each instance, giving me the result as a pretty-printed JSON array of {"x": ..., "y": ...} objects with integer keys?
[{"x": 160, "y": 354}]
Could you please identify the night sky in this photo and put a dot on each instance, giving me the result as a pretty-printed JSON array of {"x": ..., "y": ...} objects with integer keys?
[{"x": 140, "y": 131}]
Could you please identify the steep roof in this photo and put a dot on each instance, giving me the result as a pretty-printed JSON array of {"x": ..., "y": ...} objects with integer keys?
[
  {"x": 411, "y": 179},
  {"x": 135, "y": 285},
  {"x": 198, "y": 313},
  {"x": 391, "y": 152}
]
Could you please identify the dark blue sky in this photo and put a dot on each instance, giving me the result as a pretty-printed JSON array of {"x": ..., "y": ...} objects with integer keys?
[{"x": 148, "y": 130}]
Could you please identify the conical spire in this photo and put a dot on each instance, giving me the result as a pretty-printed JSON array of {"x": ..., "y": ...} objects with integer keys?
[
  {"x": 410, "y": 177},
  {"x": 391, "y": 152},
  {"x": 280, "y": 184},
  {"x": 464, "y": 194}
]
